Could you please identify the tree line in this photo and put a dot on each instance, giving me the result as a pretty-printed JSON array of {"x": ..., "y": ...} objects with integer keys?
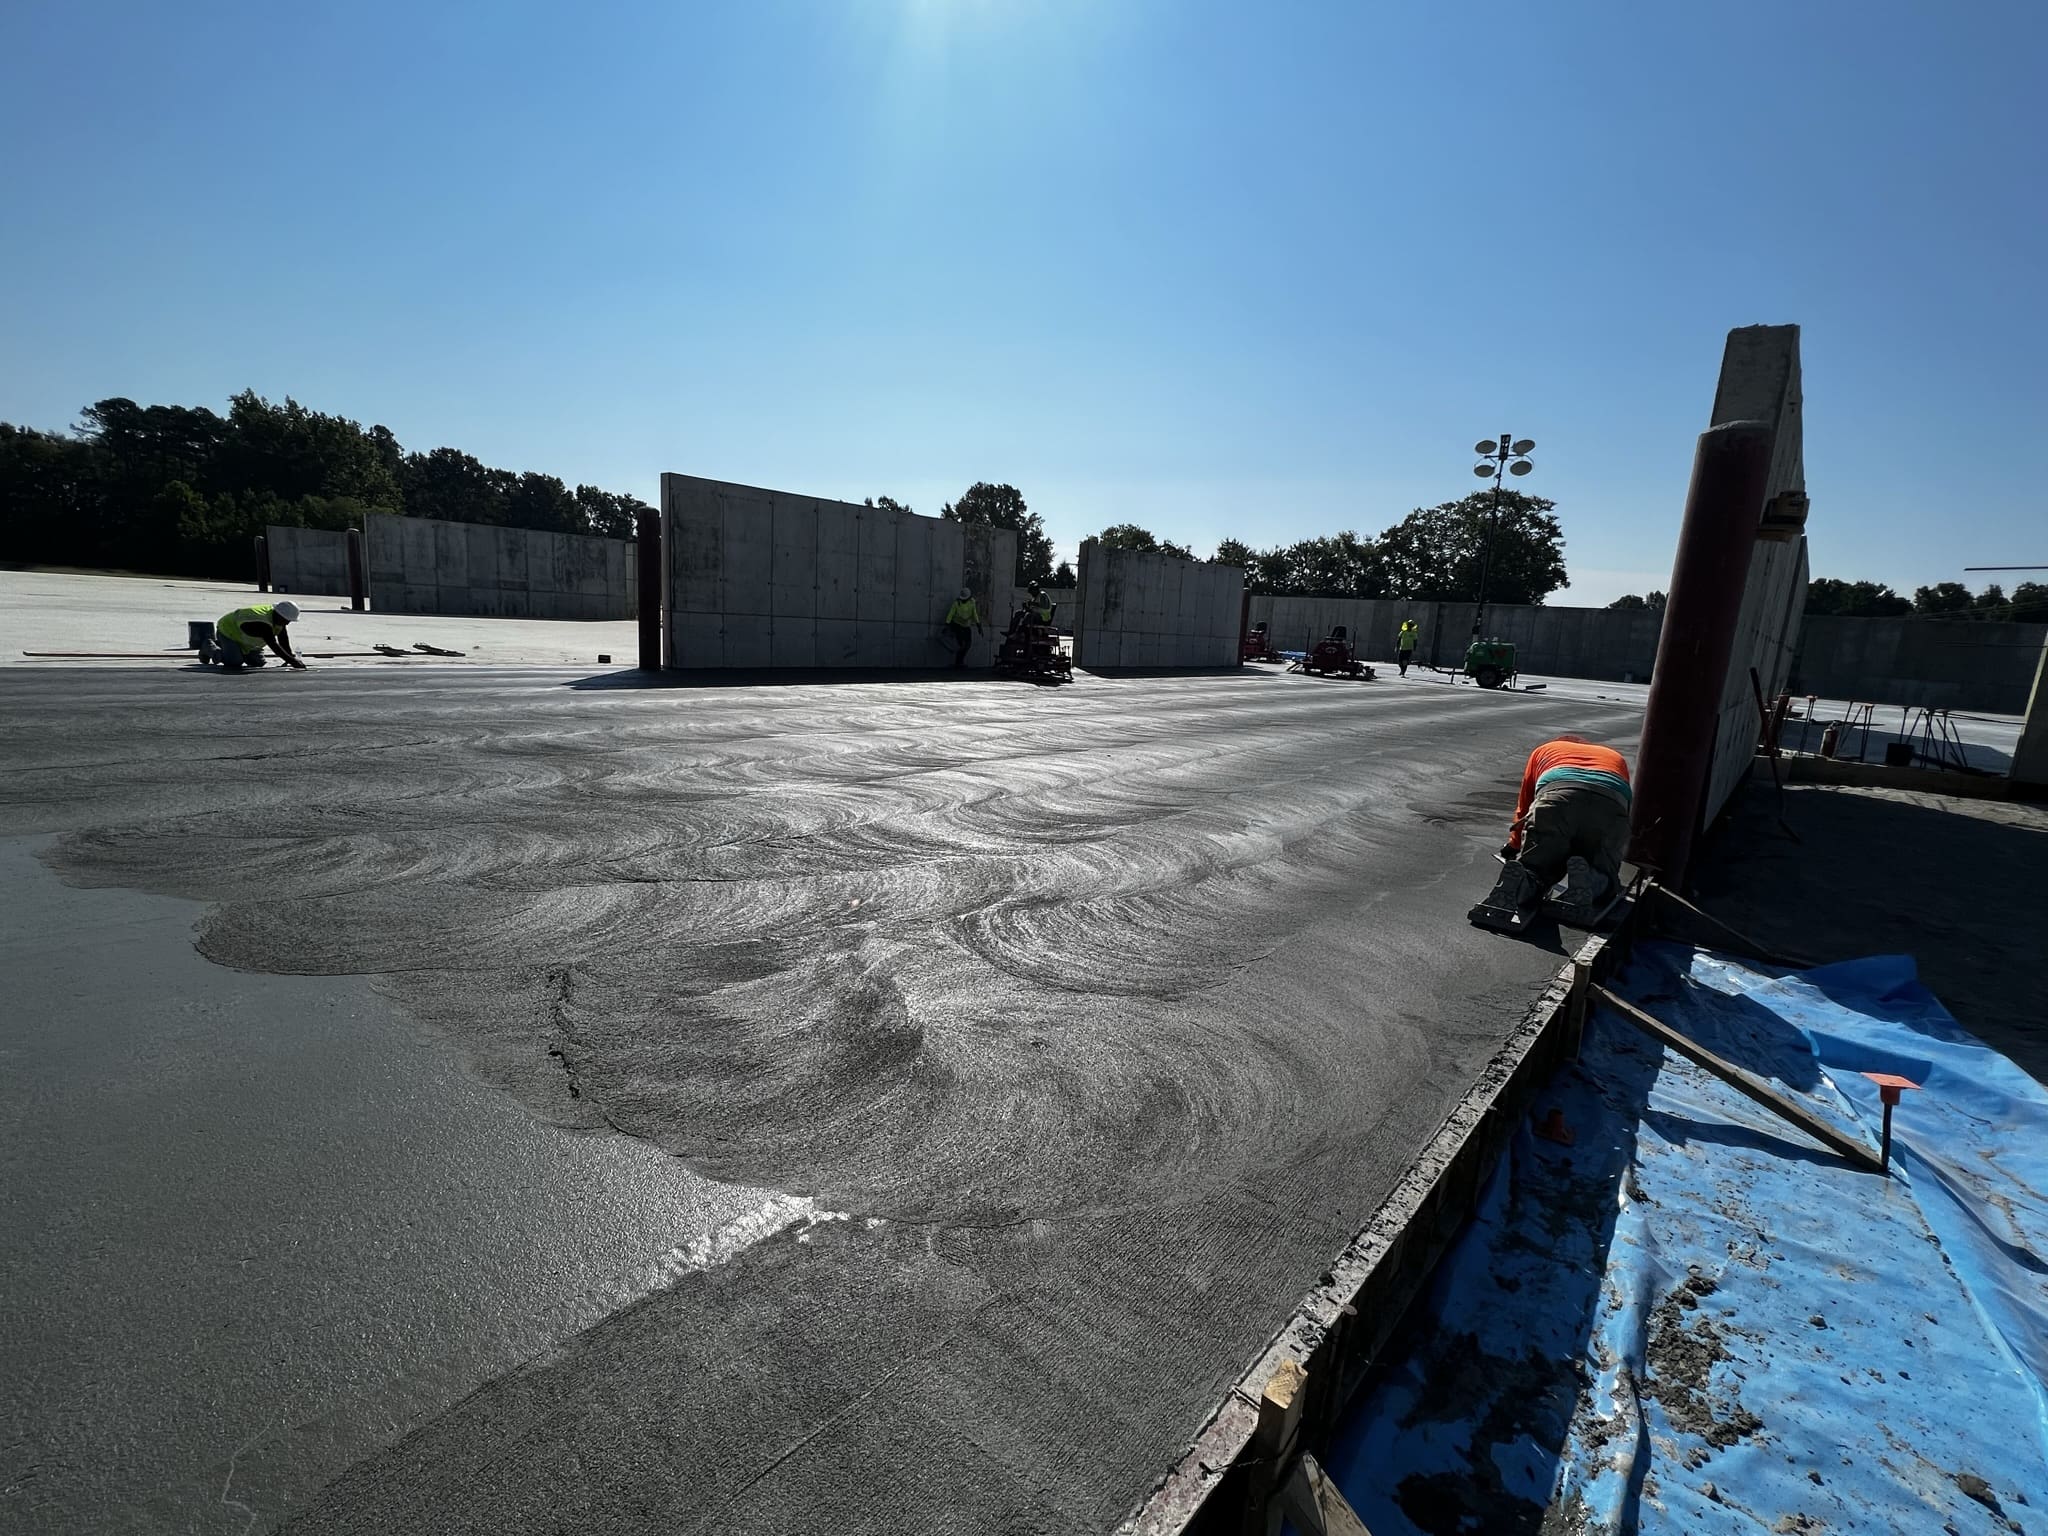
[
  {"x": 1432, "y": 555},
  {"x": 2026, "y": 604},
  {"x": 183, "y": 490}
]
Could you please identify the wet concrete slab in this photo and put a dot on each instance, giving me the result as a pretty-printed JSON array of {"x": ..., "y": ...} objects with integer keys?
[
  {"x": 253, "y": 1227},
  {"x": 1099, "y": 1020}
]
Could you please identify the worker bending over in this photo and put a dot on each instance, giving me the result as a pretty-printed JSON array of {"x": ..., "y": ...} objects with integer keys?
[
  {"x": 239, "y": 638},
  {"x": 1571, "y": 825},
  {"x": 962, "y": 619}
]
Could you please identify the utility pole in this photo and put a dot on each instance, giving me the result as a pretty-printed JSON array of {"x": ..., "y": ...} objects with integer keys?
[{"x": 1508, "y": 456}]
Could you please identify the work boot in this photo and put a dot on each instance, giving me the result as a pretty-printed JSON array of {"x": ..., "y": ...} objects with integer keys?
[
  {"x": 1511, "y": 902},
  {"x": 1581, "y": 895}
]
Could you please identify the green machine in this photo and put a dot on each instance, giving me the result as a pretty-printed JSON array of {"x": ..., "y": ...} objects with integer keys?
[{"x": 1490, "y": 663}]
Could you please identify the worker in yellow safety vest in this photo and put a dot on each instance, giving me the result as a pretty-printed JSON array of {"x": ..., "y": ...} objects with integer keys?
[
  {"x": 1404, "y": 643},
  {"x": 962, "y": 619},
  {"x": 239, "y": 637}
]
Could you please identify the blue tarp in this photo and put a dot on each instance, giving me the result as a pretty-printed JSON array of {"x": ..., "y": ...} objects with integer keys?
[{"x": 1694, "y": 1319}]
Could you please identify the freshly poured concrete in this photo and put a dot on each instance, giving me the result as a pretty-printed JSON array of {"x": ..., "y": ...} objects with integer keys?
[
  {"x": 1103, "y": 1017},
  {"x": 259, "y": 1220}
]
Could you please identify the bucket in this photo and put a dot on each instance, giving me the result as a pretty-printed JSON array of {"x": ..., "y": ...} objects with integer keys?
[{"x": 197, "y": 633}]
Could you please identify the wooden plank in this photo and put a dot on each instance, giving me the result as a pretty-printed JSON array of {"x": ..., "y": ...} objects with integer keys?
[
  {"x": 1273, "y": 1444},
  {"x": 1316, "y": 1505},
  {"x": 1746, "y": 1082}
]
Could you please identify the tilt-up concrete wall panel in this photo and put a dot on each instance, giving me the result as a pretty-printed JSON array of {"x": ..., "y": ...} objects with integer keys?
[
  {"x": 308, "y": 560},
  {"x": 762, "y": 578},
  {"x": 1138, "y": 609},
  {"x": 423, "y": 565}
]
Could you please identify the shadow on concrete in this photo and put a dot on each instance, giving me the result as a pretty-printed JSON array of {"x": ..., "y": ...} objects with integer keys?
[
  {"x": 633, "y": 678},
  {"x": 1117, "y": 672},
  {"x": 1960, "y": 885}
]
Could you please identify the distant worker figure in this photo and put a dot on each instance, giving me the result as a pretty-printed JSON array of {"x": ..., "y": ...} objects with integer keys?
[
  {"x": 1404, "y": 643},
  {"x": 962, "y": 619},
  {"x": 239, "y": 637},
  {"x": 1568, "y": 837},
  {"x": 1036, "y": 609}
]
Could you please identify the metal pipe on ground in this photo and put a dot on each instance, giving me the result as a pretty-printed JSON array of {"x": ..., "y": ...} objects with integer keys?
[
  {"x": 648, "y": 553},
  {"x": 1723, "y": 509},
  {"x": 358, "y": 587}
]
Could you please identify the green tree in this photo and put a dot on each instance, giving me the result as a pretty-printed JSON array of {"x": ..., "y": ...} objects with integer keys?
[
  {"x": 1063, "y": 574},
  {"x": 1854, "y": 599},
  {"x": 1127, "y": 536},
  {"x": 1336, "y": 565},
  {"x": 1265, "y": 571},
  {"x": 2029, "y": 603},
  {"x": 609, "y": 514},
  {"x": 1002, "y": 506},
  {"x": 1434, "y": 553},
  {"x": 891, "y": 504},
  {"x": 1631, "y": 600},
  {"x": 453, "y": 486},
  {"x": 543, "y": 503},
  {"x": 1943, "y": 598},
  {"x": 292, "y": 452}
]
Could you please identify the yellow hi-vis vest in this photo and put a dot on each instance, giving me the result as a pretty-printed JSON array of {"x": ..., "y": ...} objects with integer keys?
[
  {"x": 258, "y": 613},
  {"x": 965, "y": 612}
]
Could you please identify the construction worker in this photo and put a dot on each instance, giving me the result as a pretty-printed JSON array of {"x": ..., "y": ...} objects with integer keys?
[
  {"x": 239, "y": 637},
  {"x": 1041, "y": 606},
  {"x": 962, "y": 619},
  {"x": 1569, "y": 834},
  {"x": 1404, "y": 643}
]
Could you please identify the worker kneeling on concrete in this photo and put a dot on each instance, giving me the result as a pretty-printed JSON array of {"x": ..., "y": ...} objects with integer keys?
[
  {"x": 239, "y": 637},
  {"x": 1566, "y": 843}
]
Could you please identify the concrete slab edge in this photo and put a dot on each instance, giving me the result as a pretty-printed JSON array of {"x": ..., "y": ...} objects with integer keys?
[
  {"x": 1800, "y": 768},
  {"x": 1339, "y": 1328}
]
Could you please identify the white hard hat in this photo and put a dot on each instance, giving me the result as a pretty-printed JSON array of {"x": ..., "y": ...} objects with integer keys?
[
  {"x": 965, "y": 593},
  {"x": 286, "y": 610}
]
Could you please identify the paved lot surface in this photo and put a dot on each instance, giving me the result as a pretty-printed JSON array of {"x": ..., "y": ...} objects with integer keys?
[{"x": 1089, "y": 1024}]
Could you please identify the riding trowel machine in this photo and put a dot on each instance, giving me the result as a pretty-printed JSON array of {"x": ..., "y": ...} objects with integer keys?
[{"x": 1334, "y": 657}]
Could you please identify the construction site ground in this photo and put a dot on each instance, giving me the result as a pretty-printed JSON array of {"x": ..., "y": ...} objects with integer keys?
[{"x": 591, "y": 1105}]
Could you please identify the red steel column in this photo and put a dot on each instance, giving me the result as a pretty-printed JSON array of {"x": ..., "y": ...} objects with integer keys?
[
  {"x": 648, "y": 530},
  {"x": 1730, "y": 473}
]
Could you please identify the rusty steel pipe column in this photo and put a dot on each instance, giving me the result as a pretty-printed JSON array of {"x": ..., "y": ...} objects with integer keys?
[
  {"x": 648, "y": 531},
  {"x": 1723, "y": 508},
  {"x": 262, "y": 563},
  {"x": 358, "y": 588}
]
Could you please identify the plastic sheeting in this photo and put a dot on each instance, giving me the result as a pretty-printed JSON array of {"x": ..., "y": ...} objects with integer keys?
[{"x": 1693, "y": 1319}]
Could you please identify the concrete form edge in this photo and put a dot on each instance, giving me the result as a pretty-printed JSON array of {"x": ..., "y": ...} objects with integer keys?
[{"x": 1338, "y": 1329}]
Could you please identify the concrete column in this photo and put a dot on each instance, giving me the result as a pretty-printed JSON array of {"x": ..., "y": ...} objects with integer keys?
[
  {"x": 2030, "y": 757},
  {"x": 358, "y": 588},
  {"x": 262, "y": 563},
  {"x": 649, "y": 555},
  {"x": 1730, "y": 472}
]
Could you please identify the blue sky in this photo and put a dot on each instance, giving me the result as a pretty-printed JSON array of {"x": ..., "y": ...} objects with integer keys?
[{"x": 1255, "y": 270}]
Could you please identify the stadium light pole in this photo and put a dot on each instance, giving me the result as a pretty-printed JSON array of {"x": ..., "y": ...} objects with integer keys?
[{"x": 1507, "y": 456}]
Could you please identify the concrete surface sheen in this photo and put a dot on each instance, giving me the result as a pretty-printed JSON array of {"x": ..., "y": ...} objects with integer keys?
[
  {"x": 1106, "y": 1016},
  {"x": 256, "y": 1226}
]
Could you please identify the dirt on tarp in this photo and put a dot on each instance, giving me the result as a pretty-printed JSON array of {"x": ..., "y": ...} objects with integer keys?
[{"x": 1681, "y": 1358}]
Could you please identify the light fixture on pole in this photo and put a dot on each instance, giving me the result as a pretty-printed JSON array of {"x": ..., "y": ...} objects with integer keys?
[{"x": 1509, "y": 455}]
